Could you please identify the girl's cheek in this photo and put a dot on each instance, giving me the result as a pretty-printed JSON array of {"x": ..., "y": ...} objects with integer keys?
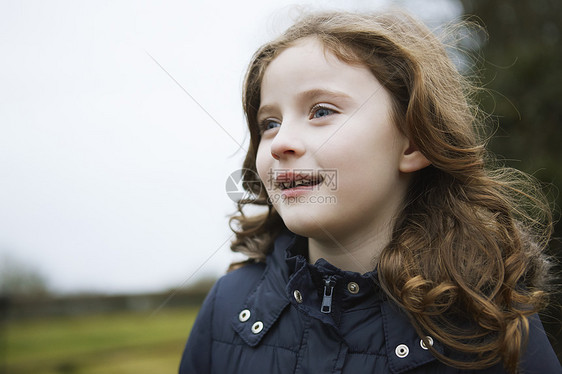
[{"x": 261, "y": 166}]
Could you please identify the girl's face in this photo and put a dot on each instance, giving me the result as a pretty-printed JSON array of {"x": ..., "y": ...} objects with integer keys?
[{"x": 331, "y": 159}]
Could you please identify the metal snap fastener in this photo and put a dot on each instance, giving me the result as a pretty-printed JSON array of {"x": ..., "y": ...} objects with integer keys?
[
  {"x": 429, "y": 340},
  {"x": 257, "y": 327},
  {"x": 402, "y": 351},
  {"x": 353, "y": 287},
  {"x": 244, "y": 315},
  {"x": 298, "y": 296}
]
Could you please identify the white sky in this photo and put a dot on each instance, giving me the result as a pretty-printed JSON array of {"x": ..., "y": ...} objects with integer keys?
[{"x": 112, "y": 179}]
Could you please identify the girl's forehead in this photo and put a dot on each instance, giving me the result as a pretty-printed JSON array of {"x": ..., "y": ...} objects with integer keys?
[
  {"x": 301, "y": 47},
  {"x": 307, "y": 60},
  {"x": 309, "y": 45},
  {"x": 306, "y": 53},
  {"x": 312, "y": 50}
]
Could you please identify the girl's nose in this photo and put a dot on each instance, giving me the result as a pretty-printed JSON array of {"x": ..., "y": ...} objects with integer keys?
[{"x": 287, "y": 142}]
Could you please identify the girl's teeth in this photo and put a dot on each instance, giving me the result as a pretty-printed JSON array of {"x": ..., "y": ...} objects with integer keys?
[{"x": 302, "y": 182}]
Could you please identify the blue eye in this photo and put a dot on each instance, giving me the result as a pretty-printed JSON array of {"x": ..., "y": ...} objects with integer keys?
[
  {"x": 269, "y": 124},
  {"x": 320, "y": 111}
]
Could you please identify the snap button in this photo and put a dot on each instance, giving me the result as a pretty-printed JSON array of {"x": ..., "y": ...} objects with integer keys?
[
  {"x": 429, "y": 340},
  {"x": 244, "y": 315},
  {"x": 257, "y": 327},
  {"x": 353, "y": 287},
  {"x": 402, "y": 351},
  {"x": 298, "y": 296}
]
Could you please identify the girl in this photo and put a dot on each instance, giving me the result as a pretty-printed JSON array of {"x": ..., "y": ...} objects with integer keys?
[{"x": 390, "y": 244}]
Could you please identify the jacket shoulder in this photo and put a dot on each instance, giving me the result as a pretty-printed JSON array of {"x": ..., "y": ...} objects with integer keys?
[
  {"x": 237, "y": 284},
  {"x": 231, "y": 292},
  {"x": 539, "y": 356},
  {"x": 213, "y": 320}
]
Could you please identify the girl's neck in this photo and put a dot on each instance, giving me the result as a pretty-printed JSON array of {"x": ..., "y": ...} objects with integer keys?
[{"x": 358, "y": 253}]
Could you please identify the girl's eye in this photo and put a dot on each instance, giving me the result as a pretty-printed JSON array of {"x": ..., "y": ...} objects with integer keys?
[
  {"x": 319, "y": 111},
  {"x": 269, "y": 124}
]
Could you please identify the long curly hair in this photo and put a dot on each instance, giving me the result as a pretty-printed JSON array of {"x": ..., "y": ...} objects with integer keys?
[{"x": 465, "y": 260}]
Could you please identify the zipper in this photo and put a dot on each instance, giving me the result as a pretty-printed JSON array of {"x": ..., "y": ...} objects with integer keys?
[{"x": 329, "y": 284}]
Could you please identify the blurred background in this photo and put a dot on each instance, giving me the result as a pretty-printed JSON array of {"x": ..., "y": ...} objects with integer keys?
[{"x": 120, "y": 123}]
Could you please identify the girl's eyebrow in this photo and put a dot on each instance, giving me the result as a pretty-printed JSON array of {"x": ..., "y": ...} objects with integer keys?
[
  {"x": 313, "y": 94},
  {"x": 323, "y": 93}
]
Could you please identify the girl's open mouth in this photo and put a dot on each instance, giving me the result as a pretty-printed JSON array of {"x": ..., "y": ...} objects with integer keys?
[{"x": 300, "y": 183}]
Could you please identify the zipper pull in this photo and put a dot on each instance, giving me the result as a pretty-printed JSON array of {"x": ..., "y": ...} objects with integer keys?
[{"x": 328, "y": 291}]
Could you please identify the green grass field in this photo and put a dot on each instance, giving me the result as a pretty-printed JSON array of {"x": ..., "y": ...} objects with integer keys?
[{"x": 114, "y": 343}]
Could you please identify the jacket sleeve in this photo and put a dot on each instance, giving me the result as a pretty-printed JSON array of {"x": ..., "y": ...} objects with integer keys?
[
  {"x": 539, "y": 357},
  {"x": 196, "y": 356}
]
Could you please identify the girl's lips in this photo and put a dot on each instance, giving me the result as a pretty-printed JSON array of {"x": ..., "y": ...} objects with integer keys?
[
  {"x": 293, "y": 183},
  {"x": 300, "y": 190},
  {"x": 286, "y": 181},
  {"x": 289, "y": 185},
  {"x": 296, "y": 191}
]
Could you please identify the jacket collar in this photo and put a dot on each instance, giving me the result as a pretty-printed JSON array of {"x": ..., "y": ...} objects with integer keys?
[
  {"x": 268, "y": 300},
  {"x": 399, "y": 333},
  {"x": 287, "y": 269}
]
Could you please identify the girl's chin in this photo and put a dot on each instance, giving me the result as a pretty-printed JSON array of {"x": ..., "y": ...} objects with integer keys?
[{"x": 307, "y": 223}]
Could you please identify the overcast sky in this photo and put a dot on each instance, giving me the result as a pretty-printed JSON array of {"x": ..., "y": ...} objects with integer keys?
[{"x": 112, "y": 177}]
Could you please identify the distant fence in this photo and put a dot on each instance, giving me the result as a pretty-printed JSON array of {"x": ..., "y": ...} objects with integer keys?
[{"x": 20, "y": 307}]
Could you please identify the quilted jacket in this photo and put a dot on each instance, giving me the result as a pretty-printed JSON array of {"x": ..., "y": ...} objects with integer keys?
[{"x": 288, "y": 316}]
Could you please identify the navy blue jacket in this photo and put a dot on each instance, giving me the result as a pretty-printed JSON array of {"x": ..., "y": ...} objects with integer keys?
[{"x": 267, "y": 319}]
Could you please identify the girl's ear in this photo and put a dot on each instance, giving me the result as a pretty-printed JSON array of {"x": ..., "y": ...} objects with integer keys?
[{"x": 412, "y": 159}]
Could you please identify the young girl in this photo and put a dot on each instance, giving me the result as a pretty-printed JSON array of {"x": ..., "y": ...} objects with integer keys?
[{"x": 390, "y": 243}]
